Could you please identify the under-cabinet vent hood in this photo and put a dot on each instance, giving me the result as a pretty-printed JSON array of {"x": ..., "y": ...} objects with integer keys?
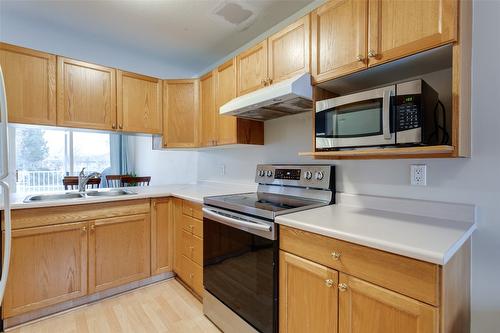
[{"x": 284, "y": 98}]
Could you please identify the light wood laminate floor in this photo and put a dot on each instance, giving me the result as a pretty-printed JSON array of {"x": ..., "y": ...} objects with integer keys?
[{"x": 163, "y": 307}]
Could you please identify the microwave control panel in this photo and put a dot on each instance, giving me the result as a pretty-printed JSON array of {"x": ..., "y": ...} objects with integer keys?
[{"x": 408, "y": 112}]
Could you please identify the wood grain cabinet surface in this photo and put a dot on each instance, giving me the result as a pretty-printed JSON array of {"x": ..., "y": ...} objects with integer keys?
[
  {"x": 251, "y": 67},
  {"x": 48, "y": 266},
  {"x": 86, "y": 95},
  {"x": 162, "y": 236},
  {"x": 180, "y": 113},
  {"x": 208, "y": 111},
  {"x": 139, "y": 103}
]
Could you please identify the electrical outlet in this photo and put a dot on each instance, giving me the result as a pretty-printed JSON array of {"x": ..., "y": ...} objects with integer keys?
[{"x": 418, "y": 174}]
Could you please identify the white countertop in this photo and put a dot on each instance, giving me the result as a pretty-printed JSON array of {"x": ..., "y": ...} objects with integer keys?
[{"x": 403, "y": 232}]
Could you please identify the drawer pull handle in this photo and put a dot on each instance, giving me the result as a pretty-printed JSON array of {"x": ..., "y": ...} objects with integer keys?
[
  {"x": 329, "y": 282},
  {"x": 372, "y": 54},
  {"x": 84, "y": 229},
  {"x": 336, "y": 255},
  {"x": 342, "y": 286}
]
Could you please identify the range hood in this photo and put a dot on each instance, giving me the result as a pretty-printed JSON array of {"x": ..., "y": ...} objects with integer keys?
[{"x": 284, "y": 98}]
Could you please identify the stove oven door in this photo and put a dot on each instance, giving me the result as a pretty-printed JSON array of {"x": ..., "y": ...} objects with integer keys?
[{"x": 240, "y": 265}]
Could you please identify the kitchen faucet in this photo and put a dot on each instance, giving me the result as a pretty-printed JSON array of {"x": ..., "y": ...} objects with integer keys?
[{"x": 83, "y": 179}]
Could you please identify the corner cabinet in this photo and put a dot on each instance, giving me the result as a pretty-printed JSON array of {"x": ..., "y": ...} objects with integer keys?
[
  {"x": 139, "y": 103},
  {"x": 180, "y": 113},
  {"x": 162, "y": 236},
  {"x": 86, "y": 95},
  {"x": 30, "y": 84}
]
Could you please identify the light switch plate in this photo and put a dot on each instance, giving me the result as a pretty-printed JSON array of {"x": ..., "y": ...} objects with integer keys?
[{"x": 418, "y": 174}]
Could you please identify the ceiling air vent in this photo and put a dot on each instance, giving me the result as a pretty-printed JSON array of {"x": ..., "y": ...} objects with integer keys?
[{"x": 234, "y": 14}]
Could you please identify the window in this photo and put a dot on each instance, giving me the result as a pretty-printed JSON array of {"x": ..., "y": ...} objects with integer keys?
[{"x": 42, "y": 157}]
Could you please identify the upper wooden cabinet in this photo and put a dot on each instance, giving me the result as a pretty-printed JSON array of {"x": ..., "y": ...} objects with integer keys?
[
  {"x": 208, "y": 111},
  {"x": 30, "y": 83},
  {"x": 86, "y": 95},
  {"x": 338, "y": 38},
  {"x": 288, "y": 51},
  {"x": 161, "y": 236},
  {"x": 252, "y": 68},
  {"x": 139, "y": 103},
  {"x": 400, "y": 28},
  {"x": 180, "y": 113}
]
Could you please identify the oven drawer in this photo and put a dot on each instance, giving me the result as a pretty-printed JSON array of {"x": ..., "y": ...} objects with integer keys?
[
  {"x": 192, "y": 274},
  {"x": 192, "y": 247},
  {"x": 411, "y": 277},
  {"x": 192, "y": 226},
  {"x": 192, "y": 209}
]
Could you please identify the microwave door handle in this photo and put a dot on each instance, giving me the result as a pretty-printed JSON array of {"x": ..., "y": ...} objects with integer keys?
[{"x": 386, "y": 109}]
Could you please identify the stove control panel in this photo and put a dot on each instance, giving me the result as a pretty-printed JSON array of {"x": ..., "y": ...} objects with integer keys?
[{"x": 310, "y": 175}]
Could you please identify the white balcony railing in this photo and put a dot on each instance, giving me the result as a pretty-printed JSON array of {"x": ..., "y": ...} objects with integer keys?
[{"x": 39, "y": 181}]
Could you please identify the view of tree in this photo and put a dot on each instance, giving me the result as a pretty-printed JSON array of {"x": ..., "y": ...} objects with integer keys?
[{"x": 33, "y": 149}]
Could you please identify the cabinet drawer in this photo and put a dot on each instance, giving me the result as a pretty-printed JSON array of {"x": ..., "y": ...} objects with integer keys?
[
  {"x": 192, "y": 209},
  {"x": 192, "y": 226},
  {"x": 192, "y": 247},
  {"x": 407, "y": 276},
  {"x": 192, "y": 275}
]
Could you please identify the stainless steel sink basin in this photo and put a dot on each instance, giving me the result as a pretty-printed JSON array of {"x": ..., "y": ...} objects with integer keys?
[
  {"x": 52, "y": 197},
  {"x": 112, "y": 193}
]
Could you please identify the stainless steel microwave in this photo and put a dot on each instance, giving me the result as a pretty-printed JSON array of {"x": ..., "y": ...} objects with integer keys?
[{"x": 399, "y": 114}]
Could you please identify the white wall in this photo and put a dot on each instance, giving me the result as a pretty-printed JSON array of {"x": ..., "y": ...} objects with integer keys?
[{"x": 473, "y": 180}]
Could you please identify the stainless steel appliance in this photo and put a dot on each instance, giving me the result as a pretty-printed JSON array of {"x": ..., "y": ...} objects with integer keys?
[
  {"x": 240, "y": 244},
  {"x": 399, "y": 114}
]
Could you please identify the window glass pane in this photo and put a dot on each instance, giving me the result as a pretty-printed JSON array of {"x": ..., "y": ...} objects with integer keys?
[
  {"x": 39, "y": 159},
  {"x": 91, "y": 151}
]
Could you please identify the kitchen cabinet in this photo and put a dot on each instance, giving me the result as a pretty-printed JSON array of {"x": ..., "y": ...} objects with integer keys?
[
  {"x": 288, "y": 51},
  {"x": 208, "y": 111},
  {"x": 180, "y": 113},
  {"x": 119, "y": 251},
  {"x": 338, "y": 36},
  {"x": 48, "y": 266},
  {"x": 251, "y": 67},
  {"x": 30, "y": 84},
  {"x": 139, "y": 103},
  {"x": 162, "y": 236},
  {"x": 400, "y": 28},
  {"x": 364, "y": 307},
  {"x": 86, "y": 95},
  {"x": 308, "y": 296}
]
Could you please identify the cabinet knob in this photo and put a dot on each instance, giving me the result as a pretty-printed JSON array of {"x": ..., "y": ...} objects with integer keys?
[
  {"x": 336, "y": 255},
  {"x": 84, "y": 229},
  {"x": 269, "y": 81},
  {"x": 360, "y": 58},
  {"x": 113, "y": 126},
  {"x": 92, "y": 227},
  {"x": 263, "y": 82},
  {"x": 372, "y": 54},
  {"x": 329, "y": 283},
  {"x": 121, "y": 126},
  {"x": 342, "y": 286}
]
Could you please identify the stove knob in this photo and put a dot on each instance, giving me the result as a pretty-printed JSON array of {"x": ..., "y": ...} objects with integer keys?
[
  {"x": 261, "y": 173},
  {"x": 319, "y": 175},
  {"x": 308, "y": 175},
  {"x": 269, "y": 173}
]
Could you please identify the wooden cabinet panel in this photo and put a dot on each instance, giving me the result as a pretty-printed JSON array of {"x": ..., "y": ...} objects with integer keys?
[
  {"x": 139, "y": 103},
  {"x": 252, "y": 68},
  {"x": 192, "y": 225},
  {"x": 192, "y": 209},
  {"x": 411, "y": 277},
  {"x": 338, "y": 33},
  {"x": 192, "y": 247},
  {"x": 161, "y": 236},
  {"x": 192, "y": 275},
  {"x": 178, "y": 227},
  {"x": 180, "y": 113},
  {"x": 119, "y": 251},
  {"x": 289, "y": 51},
  {"x": 308, "y": 296},
  {"x": 48, "y": 266},
  {"x": 364, "y": 307},
  {"x": 400, "y": 28},
  {"x": 86, "y": 95},
  {"x": 30, "y": 84},
  {"x": 208, "y": 111}
]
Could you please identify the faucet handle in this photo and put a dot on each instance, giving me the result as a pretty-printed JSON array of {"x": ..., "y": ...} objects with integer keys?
[{"x": 82, "y": 173}]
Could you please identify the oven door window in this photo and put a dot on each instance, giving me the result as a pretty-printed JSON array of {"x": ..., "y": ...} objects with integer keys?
[
  {"x": 352, "y": 120},
  {"x": 238, "y": 269}
]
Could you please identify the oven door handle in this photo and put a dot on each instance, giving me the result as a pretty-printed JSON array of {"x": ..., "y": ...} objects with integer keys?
[
  {"x": 386, "y": 109},
  {"x": 235, "y": 222}
]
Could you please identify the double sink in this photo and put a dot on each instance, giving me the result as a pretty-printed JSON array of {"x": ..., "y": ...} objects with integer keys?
[{"x": 77, "y": 195}]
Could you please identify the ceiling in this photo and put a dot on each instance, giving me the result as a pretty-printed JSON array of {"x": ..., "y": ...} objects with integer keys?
[{"x": 184, "y": 33}]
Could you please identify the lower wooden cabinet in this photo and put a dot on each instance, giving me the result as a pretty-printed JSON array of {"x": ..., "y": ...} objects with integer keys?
[
  {"x": 308, "y": 296},
  {"x": 119, "y": 251},
  {"x": 48, "y": 266},
  {"x": 162, "y": 236}
]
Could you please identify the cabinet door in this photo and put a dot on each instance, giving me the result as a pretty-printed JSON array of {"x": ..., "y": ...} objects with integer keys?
[
  {"x": 178, "y": 227},
  {"x": 289, "y": 51},
  {"x": 180, "y": 113},
  {"x": 252, "y": 68},
  {"x": 30, "y": 84},
  {"x": 338, "y": 32},
  {"x": 86, "y": 95},
  {"x": 161, "y": 236},
  {"x": 308, "y": 296},
  {"x": 225, "y": 80},
  {"x": 138, "y": 103},
  {"x": 119, "y": 251},
  {"x": 208, "y": 115},
  {"x": 364, "y": 307},
  {"x": 48, "y": 266},
  {"x": 400, "y": 28}
]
